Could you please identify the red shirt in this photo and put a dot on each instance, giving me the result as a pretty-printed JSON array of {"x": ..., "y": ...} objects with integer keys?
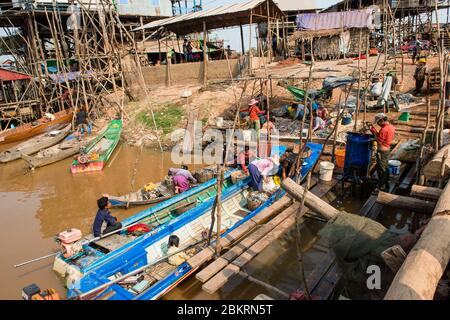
[
  {"x": 386, "y": 135},
  {"x": 254, "y": 111}
]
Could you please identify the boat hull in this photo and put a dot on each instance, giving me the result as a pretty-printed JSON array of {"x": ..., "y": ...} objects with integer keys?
[
  {"x": 33, "y": 145},
  {"x": 28, "y": 131},
  {"x": 88, "y": 167},
  {"x": 102, "y": 148},
  {"x": 147, "y": 250}
]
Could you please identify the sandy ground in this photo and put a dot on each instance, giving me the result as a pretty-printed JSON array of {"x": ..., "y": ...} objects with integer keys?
[{"x": 219, "y": 99}]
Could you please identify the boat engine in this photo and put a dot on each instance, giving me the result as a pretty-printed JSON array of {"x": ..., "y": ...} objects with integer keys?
[
  {"x": 33, "y": 292},
  {"x": 70, "y": 243}
]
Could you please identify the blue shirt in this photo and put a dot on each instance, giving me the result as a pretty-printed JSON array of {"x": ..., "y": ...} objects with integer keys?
[{"x": 103, "y": 215}]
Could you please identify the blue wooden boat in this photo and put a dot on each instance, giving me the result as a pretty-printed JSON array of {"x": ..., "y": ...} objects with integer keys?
[
  {"x": 149, "y": 252},
  {"x": 92, "y": 252}
]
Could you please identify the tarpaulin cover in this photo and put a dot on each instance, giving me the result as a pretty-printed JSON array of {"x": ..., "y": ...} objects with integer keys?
[
  {"x": 334, "y": 82},
  {"x": 335, "y": 20}
]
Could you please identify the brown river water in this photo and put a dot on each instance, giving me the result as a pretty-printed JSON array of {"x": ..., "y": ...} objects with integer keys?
[{"x": 36, "y": 205}]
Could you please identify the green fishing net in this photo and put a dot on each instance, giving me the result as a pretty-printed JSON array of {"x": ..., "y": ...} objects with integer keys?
[{"x": 358, "y": 242}]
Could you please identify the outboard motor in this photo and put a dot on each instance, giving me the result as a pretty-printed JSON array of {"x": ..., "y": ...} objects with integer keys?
[{"x": 70, "y": 243}]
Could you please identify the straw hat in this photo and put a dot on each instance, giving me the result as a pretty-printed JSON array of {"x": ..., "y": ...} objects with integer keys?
[
  {"x": 380, "y": 116},
  {"x": 253, "y": 102}
]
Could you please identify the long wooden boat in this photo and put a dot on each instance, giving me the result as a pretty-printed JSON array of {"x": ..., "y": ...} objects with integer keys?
[
  {"x": 151, "y": 249},
  {"x": 32, "y": 129},
  {"x": 96, "y": 251},
  {"x": 35, "y": 144},
  {"x": 70, "y": 146},
  {"x": 149, "y": 194},
  {"x": 159, "y": 192},
  {"x": 98, "y": 152}
]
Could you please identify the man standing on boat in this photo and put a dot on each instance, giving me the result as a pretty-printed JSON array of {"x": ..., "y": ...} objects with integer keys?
[
  {"x": 104, "y": 215},
  {"x": 81, "y": 121},
  {"x": 384, "y": 139}
]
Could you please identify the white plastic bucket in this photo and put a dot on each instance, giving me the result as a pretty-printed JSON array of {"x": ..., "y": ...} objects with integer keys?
[
  {"x": 326, "y": 170},
  {"x": 247, "y": 135},
  {"x": 219, "y": 121},
  {"x": 394, "y": 167}
]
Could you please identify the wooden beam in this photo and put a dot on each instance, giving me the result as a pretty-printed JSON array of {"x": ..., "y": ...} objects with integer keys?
[
  {"x": 207, "y": 253},
  {"x": 311, "y": 201},
  {"x": 433, "y": 168},
  {"x": 426, "y": 192},
  {"x": 237, "y": 250},
  {"x": 424, "y": 266},
  {"x": 407, "y": 203}
]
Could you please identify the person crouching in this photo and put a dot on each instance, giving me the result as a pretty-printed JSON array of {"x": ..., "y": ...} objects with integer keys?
[{"x": 104, "y": 215}]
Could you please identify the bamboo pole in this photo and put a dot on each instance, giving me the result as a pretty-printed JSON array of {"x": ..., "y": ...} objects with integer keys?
[{"x": 205, "y": 54}]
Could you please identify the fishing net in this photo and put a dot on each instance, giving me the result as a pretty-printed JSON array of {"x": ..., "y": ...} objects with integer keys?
[{"x": 358, "y": 243}]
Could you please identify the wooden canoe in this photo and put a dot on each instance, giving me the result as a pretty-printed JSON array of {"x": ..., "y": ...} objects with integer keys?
[
  {"x": 35, "y": 144},
  {"x": 98, "y": 152},
  {"x": 70, "y": 146},
  {"x": 160, "y": 193},
  {"x": 28, "y": 130}
]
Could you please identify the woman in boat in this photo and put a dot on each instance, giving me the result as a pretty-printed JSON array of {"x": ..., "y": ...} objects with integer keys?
[
  {"x": 181, "y": 178},
  {"x": 260, "y": 169},
  {"x": 175, "y": 259},
  {"x": 104, "y": 215}
]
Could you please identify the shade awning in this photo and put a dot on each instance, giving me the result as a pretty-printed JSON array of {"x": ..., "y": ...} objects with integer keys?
[
  {"x": 9, "y": 75},
  {"x": 221, "y": 17}
]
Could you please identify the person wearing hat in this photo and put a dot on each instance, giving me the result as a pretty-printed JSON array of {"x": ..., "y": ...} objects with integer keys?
[
  {"x": 420, "y": 74},
  {"x": 384, "y": 139},
  {"x": 104, "y": 215},
  {"x": 254, "y": 113},
  {"x": 260, "y": 169}
]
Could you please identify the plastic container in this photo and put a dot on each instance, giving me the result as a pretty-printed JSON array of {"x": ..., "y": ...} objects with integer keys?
[
  {"x": 326, "y": 170},
  {"x": 339, "y": 155},
  {"x": 247, "y": 135},
  {"x": 346, "y": 120},
  {"x": 404, "y": 117},
  {"x": 219, "y": 121},
  {"x": 394, "y": 167},
  {"x": 358, "y": 153}
]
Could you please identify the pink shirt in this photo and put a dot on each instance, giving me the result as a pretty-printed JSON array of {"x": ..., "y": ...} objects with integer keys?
[{"x": 264, "y": 166}]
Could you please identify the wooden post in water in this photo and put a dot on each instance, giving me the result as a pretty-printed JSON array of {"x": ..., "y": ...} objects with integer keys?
[{"x": 219, "y": 207}]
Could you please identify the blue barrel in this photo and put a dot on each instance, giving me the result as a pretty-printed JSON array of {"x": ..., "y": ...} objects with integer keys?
[{"x": 358, "y": 153}]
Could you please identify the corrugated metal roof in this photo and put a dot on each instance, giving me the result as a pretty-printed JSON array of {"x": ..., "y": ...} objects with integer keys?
[
  {"x": 296, "y": 5},
  {"x": 225, "y": 9},
  {"x": 8, "y": 75}
]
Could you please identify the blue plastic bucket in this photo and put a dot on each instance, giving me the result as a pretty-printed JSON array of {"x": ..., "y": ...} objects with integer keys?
[
  {"x": 394, "y": 167},
  {"x": 358, "y": 153},
  {"x": 346, "y": 120}
]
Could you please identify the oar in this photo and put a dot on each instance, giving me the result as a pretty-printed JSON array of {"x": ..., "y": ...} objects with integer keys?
[
  {"x": 132, "y": 273},
  {"x": 94, "y": 239}
]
